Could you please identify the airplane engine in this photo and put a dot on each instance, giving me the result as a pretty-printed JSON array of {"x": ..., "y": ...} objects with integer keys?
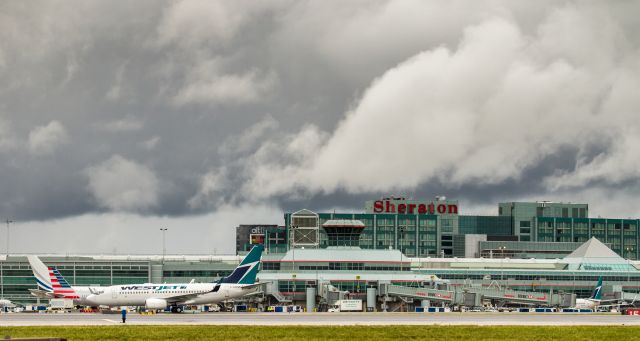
[{"x": 155, "y": 303}]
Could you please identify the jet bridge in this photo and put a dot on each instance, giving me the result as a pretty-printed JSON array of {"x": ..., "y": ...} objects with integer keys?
[
  {"x": 418, "y": 293},
  {"x": 472, "y": 296},
  {"x": 525, "y": 297}
]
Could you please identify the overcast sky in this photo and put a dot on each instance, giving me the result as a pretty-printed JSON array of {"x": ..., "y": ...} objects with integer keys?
[{"x": 118, "y": 118}]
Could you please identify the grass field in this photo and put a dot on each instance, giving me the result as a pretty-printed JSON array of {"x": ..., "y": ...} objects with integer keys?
[{"x": 124, "y": 332}]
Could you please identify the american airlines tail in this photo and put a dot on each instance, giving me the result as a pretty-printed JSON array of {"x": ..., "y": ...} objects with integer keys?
[
  {"x": 41, "y": 274},
  {"x": 50, "y": 282},
  {"x": 61, "y": 288},
  {"x": 246, "y": 272}
]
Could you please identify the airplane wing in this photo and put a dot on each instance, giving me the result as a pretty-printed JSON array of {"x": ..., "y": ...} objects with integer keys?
[
  {"x": 252, "y": 286},
  {"x": 611, "y": 300},
  {"x": 182, "y": 298},
  {"x": 42, "y": 293},
  {"x": 186, "y": 297},
  {"x": 620, "y": 304}
]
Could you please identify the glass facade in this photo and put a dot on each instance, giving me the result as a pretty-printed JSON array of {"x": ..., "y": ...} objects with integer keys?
[
  {"x": 16, "y": 277},
  {"x": 489, "y": 225},
  {"x": 414, "y": 235},
  {"x": 427, "y": 236},
  {"x": 620, "y": 234},
  {"x": 524, "y": 214},
  {"x": 432, "y": 235}
]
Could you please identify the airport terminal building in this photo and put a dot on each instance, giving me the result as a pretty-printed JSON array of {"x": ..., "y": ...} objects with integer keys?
[
  {"x": 397, "y": 254},
  {"x": 434, "y": 228}
]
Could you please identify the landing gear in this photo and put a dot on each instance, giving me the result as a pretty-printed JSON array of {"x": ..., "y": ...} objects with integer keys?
[{"x": 176, "y": 310}]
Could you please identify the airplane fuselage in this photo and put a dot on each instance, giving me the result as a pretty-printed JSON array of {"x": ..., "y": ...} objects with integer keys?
[
  {"x": 582, "y": 303},
  {"x": 173, "y": 294},
  {"x": 82, "y": 293},
  {"x": 6, "y": 303}
]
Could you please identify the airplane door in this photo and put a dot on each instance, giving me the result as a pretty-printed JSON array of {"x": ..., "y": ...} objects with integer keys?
[{"x": 114, "y": 294}]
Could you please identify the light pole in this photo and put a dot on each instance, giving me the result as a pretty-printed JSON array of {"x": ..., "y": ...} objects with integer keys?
[
  {"x": 629, "y": 249},
  {"x": 502, "y": 248},
  {"x": 8, "y": 235},
  {"x": 164, "y": 248},
  {"x": 293, "y": 248},
  {"x": 292, "y": 242}
]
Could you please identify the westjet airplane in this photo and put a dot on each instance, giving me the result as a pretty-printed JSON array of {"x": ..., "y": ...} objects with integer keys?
[
  {"x": 51, "y": 284},
  {"x": 241, "y": 282},
  {"x": 592, "y": 302},
  {"x": 595, "y": 301}
]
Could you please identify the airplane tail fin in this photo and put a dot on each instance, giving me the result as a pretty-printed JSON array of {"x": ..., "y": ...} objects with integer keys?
[
  {"x": 41, "y": 273},
  {"x": 597, "y": 292},
  {"x": 246, "y": 272},
  {"x": 61, "y": 288}
]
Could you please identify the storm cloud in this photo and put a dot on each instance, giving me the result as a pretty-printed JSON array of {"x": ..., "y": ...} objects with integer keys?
[{"x": 131, "y": 115}]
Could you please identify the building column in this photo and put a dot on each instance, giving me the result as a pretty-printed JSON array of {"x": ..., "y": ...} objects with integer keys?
[
  {"x": 395, "y": 229},
  {"x": 375, "y": 231},
  {"x": 416, "y": 222},
  {"x": 572, "y": 227}
]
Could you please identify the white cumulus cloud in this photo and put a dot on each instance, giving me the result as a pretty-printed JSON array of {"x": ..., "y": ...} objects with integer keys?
[
  {"x": 123, "y": 185},
  {"x": 483, "y": 112},
  {"x": 212, "y": 88},
  {"x": 46, "y": 139}
]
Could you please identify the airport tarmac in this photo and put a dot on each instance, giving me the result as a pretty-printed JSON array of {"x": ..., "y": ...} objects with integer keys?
[{"x": 344, "y": 319}]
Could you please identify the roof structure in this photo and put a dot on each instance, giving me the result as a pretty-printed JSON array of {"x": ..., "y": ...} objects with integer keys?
[
  {"x": 305, "y": 212},
  {"x": 594, "y": 255},
  {"x": 343, "y": 223},
  {"x": 341, "y": 254}
]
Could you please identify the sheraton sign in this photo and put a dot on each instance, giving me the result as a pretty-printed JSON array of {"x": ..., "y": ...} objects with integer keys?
[{"x": 413, "y": 207}]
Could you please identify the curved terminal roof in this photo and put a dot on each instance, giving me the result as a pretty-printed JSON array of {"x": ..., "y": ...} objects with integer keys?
[
  {"x": 341, "y": 254},
  {"x": 338, "y": 223}
]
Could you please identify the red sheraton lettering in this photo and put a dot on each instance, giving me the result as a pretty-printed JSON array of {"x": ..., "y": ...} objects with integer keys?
[{"x": 386, "y": 206}]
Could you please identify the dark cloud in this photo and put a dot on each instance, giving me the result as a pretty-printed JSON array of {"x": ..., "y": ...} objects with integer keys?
[{"x": 179, "y": 109}]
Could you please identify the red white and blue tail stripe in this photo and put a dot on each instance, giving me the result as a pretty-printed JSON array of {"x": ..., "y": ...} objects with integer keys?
[{"x": 61, "y": 287}]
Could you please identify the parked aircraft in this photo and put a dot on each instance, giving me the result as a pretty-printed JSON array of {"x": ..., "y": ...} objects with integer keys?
[
  {"x": 595, "y": 301},
  {"x": 160, "y": 296},
  {"x": 6, "y": 303},
  {"x": 51, "y": 284}
]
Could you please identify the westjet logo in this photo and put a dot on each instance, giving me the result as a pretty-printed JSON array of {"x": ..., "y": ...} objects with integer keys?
[{"x": 153, "y": 287}]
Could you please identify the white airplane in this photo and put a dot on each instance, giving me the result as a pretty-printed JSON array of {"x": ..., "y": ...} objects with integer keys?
[
  {"x": 595, "y": 301},
  {"x": 51, "y": 284},
  {"x": 241, "y": 282},
  {"x": 4, "y": 303}
]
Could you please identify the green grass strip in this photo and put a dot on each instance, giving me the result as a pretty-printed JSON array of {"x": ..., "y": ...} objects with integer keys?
[{"x": 278, "y": 333}]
